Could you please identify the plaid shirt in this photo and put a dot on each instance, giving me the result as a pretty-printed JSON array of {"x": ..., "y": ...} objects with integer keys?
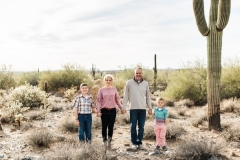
[{"x": 83, "y": 104}]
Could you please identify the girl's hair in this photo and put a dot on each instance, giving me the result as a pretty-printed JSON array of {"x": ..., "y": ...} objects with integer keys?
[
  {"x": 108, "y": 76},
  {"x": 159, "y": 99}
]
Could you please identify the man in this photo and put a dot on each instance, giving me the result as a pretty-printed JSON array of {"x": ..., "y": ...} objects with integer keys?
[{"x": 137, "y": 96}]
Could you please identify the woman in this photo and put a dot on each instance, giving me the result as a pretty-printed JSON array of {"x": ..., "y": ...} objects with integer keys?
[{"x": 107, "y": 99}]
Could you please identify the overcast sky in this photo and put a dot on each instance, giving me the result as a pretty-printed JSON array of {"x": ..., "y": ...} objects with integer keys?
[{"x": 110, "y": 34}]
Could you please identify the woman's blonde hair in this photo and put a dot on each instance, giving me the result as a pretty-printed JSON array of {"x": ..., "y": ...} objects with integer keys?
[{"x": 108, "y": 76}]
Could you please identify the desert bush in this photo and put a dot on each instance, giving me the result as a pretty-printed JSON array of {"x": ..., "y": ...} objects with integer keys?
[
  {"x": 174, "y": 130},
  {"x": 149, "y": 133},
  {"x": 5, "y": 118},
  {"x": 123, "y": 118},
  {"x": 96, "y": 122},
  {"x": 28, "y": 96},
  {"x": 188, "y": 83},
  {"x": 184, "y": 102},
  {"x": 28, "y": 77},
  {"x": 77, "y": 151},
  {"x": 232, "y": 133},
  {"x": 55, "y": 108},
  {"x": 6, "y": 77},
  {"x": 231, "y": 105},
  {"x": 41, "y": 138},
  {"x": 230, "y": 83},
  {"x": 34, "y": 115},
  {"x": 193, "y": 149},
  {"x": 181, "y": 110},
  {"x": 198, "y": 117},
  {"x": 71, "y": 75},
  {"x": 67, "y": 124},
  {"x": 70, "y": 93}
]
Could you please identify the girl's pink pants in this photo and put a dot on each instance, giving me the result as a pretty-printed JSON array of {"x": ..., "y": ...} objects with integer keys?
[{"x": 160, "y": 132}]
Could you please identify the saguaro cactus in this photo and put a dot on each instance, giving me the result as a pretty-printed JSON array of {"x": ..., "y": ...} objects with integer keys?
[
  {"x": 218, "y": 19},
  {"x": 155, "y": 72}
]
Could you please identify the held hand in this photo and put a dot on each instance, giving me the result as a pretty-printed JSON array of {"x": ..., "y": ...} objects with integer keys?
[
  {"x": 150, "y": 111},
  {"x": 94, "y": 110},
  {"x": 99, "y": 114},
  {"x": 77, "y": 123}
]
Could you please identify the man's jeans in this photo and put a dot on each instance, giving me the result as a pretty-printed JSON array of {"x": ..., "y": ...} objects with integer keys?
[
  {"x": 137, "y": 116},
  {"x": 85, "y": 128}
]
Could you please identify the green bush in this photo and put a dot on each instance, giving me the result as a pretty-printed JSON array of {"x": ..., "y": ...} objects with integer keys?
[
  {"x": 28, "y": 77},
  {"x": 188, "y": 83},
  {"x": 71, "y": 75},
  {"x": 6, "y": 77},
  {"x": 230, "y": 83}
]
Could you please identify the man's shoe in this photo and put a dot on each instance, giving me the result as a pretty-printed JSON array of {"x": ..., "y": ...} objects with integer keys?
[
  {"x": 164, "y": 148},
  {"x": 134, "y": 147},
  {"x": 140, "y": 146}
]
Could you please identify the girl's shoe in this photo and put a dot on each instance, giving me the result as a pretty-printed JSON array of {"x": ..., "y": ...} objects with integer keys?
[{"x": 164, "y": 148}]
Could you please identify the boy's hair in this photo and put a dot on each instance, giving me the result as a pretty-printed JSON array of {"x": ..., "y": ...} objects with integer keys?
[
  {"x": 159, "y": 99},
  {"x": 83, "y": 84},
  {"x": 108, "y": 76}
]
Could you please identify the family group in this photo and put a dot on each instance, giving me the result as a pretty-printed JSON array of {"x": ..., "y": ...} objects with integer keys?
[{"x": 138, "y": 101}]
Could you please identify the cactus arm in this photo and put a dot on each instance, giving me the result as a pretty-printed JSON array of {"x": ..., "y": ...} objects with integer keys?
[
  {"x": 198, "y": 7},
  {"x": 224, "y": 8}
]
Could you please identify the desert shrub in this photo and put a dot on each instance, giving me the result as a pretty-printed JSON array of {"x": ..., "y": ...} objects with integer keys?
[
  {"x": 231, "y": 105},
  {"x": 188, "y": 83},
  {"x": 199, "y": 150},
  {"x": 96, "y": 122},
  {"x": 6, "y": 77},
  {"x": 149, "y": 133},
  {"x": 232, "y": 133},
  {"x": 34, "y": 115},
  {"x": 198, "y": 117},
  {"x": 41, "y": 138},
  {"x": 123, "y": 118},
  {"x": 55, "y": 108},
  {"x": 28, "y": 96},
  {"x": 181, "y": 110},
  {"x": 70, "y": 93},
  {"x": 76, "y": 151},
  {"x": 5, "y": 118},
  {"x": 71, "y": 75},
  {"x": 174, "y": 130},
  {"x": 230, "y": 83},
  {"x": 28, "y": 77},
  {"x": 67, "y": 124},
  {"x": 184, "y": 102}
]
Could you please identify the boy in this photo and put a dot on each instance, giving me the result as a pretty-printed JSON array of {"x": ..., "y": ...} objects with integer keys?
[
  {"x": 160, "y": 125},
  {"x": 83, "y": 108}
]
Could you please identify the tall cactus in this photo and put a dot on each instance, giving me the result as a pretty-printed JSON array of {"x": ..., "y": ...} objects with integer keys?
[
  {"x": 218, "y": 19},
  {"x": 155, "y": 72}
]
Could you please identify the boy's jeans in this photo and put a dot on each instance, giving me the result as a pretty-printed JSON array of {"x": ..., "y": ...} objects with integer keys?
[
  {"x": 85, "y": 128},
  {"x": 137, "y": 116},
  {"x": 160, "y": 132}
]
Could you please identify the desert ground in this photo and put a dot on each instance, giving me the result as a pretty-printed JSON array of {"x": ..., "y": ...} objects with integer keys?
[{"x": 186, "y": 125}]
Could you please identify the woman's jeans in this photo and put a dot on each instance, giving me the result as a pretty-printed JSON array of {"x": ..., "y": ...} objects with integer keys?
[
  {"x": 137, "y": 116},
  {"x": 85, "y": 128},
  {"x": 108, "y": 119}
]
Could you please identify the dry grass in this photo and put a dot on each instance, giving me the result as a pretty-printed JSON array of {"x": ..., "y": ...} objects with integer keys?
[
  {"x": 198, "y": 117},
  {"x": 33, "y": 115},
  {"x": 67, "y": 124},
  {"x": 174, "y": 130},
  {"x": 76, "y": 151},
  {"x": 232, "y": 133},
  {"x": 5, "y": 118},
  {"x": 193, "y": 149},
  {"x": 41, "y": 138},
  {"x": 230, "y": 105},
  {"x": 185, "y": 102},
  {"x": 181, "y": 110}
]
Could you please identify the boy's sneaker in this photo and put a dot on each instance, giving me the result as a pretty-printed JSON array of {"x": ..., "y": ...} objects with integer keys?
[
  {"x": 164, "y": 148},
  {"x": 140, "y": 146}
]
